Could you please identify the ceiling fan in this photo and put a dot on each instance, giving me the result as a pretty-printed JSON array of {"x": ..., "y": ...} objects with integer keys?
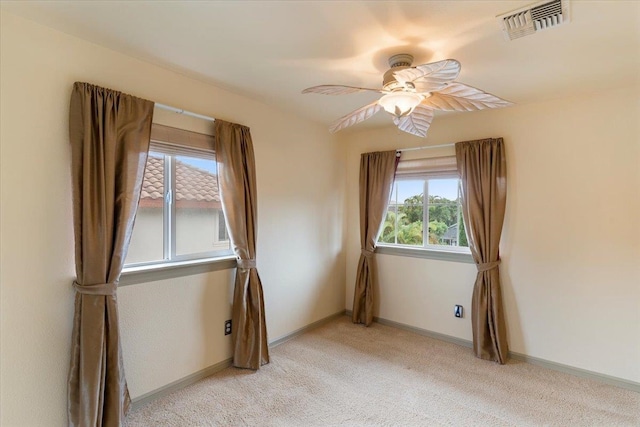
[{"x": 411, "y": 94}]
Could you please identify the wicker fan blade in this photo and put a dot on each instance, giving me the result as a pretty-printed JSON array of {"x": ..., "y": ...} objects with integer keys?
[
  {"x": 433, "y": 76},
  {"x": 426, "y": 86},
  {"x": 416, "y": 123},
  {"x": 460, "y": 97},
  {"x": 357, "y": 116},
  {"x": 337, "y": 89}
]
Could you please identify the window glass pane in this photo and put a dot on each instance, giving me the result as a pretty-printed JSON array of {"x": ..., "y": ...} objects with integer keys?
[
  {"x": 388, "y": 232},
  {"x": 394, "y": 193},
  {"x": 147, "y": 241},
  {"x": 197, "y": 207},
  {"x": 444, "y": 212},
  {"x": 409, "y": 210},
  {"x": 462, "y": 235},
  {"x": 410, "y": 219}
]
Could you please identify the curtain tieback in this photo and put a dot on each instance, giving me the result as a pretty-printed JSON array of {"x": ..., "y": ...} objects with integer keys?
[
  {"x": 486, "y": 266},
  {"x": 367, "y": 253},
  {"x": 246, "y": 263},
  {"x": 98, "y": 289}
]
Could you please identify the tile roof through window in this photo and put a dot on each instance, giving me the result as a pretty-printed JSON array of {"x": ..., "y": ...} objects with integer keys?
[{"x": 195, "y": 188}]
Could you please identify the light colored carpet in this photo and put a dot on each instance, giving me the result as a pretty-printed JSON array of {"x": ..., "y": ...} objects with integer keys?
[{"x": 347, "y": 375}]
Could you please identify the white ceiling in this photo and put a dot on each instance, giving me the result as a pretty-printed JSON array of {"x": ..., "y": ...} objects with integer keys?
[{"x": 271, "y": 50}]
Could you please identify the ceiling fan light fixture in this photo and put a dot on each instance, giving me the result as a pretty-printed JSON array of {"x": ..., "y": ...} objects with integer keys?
[
  {"x": 411, "y": 94},
  {"x": 400, "y": 104}
]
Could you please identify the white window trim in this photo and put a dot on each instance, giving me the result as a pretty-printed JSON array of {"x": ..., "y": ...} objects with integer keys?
[
  {"x": 151, "y": 272},
  {"x": 178, "y": 265},
  {"x": 169, "y": 227},
  {"x": 426, "y": 251}
]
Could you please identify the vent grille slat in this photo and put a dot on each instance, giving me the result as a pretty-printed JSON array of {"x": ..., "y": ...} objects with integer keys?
[
  {"x": 534, "y": 18},
  {"x": 548, "y": 9}
]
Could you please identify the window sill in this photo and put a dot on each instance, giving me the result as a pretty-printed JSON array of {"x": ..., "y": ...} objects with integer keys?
[
  {"x": 452, "y": 256},
  {"x": 170, "y": 270}
]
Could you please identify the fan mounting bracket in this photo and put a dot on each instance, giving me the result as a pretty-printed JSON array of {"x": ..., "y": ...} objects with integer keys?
[
  {"x": 397, "y": 63},
  {"x": 401, "y": 60}
]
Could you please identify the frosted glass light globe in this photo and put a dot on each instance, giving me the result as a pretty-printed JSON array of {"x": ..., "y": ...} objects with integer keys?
[{"x": 400, "y": 103}]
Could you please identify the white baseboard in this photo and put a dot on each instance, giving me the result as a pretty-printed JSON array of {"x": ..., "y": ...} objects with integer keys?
[
  {"x": 179, "y": 384},
  {"x": 210, "y": 370},
  {"x": 304, "y": 329},
  {"x": 567, "y": 369},
  {"x": 578, "y": 372}
]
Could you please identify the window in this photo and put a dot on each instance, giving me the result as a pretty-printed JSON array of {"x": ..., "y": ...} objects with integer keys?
[
  {"x": 408, "y": 213},
  {"x": 424, "y": 210},
  {"x": 179, "y": 216}
]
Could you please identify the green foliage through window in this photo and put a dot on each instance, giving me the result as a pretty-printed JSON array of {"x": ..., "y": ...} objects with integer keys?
[{"x": 404, "y": 221}]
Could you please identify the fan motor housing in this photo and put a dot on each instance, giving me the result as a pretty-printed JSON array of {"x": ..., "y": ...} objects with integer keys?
[{"x": 396, "y": 62}]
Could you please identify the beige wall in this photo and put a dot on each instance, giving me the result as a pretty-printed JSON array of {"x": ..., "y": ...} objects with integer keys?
[
  {"x": 170, "y": 328},
  {"x": 571, "y": 241}
]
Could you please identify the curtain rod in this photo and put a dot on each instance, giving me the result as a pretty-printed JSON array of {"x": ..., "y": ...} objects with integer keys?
[
  {"x": 425, "y": 147},
  {"x": 185, "y": 112}
]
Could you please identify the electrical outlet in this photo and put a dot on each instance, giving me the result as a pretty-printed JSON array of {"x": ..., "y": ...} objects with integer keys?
[
  {"x": 227, "y": 327},
  {"x": 458, "y": 311}
]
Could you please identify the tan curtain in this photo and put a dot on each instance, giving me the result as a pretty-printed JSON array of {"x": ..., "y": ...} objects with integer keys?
[
  {"x": 483, "y": 173},
  {"x": 109, "y": 135},
  {"x": 237, "y": 178},
  {"x": 376, "y": 179}
]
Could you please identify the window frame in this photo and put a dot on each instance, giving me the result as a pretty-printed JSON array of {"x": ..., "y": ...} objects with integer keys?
[
  {"x": 427, "y": 250},
  {"x": 172, "y": 264}
]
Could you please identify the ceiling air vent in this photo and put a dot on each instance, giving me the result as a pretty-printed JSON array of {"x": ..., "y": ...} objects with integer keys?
[{"x": 535, "y": 17}]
